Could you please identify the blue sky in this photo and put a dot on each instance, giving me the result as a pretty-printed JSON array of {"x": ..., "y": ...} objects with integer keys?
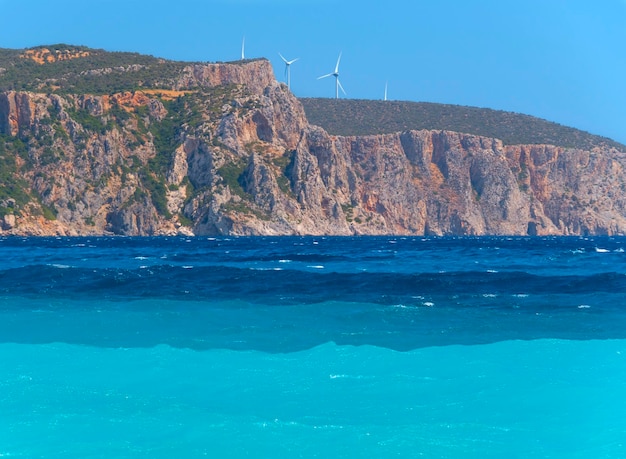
[{"x": 562, "y": 60}]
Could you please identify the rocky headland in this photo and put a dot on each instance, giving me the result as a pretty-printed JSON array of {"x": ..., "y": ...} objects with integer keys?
[{"x": 226, "y": 149}]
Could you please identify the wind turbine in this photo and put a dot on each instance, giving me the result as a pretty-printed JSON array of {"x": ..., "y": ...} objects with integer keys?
[
  {"x": 243, "y": 47},
  {"x": 385, "y": 91},
  {"x": 287, "y": 70},
  {"x": 336, "y": 75}
]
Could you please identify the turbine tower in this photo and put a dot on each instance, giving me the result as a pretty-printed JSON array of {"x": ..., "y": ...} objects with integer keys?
[
  {"x": 385, "y": 91},
  {"x": 287, "y": 69},
  {"x": 336, "y": 75},
  {"x": 243, "y": 47}
]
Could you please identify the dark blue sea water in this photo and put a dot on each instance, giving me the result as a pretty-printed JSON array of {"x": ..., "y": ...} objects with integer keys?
[{"x": 309, "y": 347}]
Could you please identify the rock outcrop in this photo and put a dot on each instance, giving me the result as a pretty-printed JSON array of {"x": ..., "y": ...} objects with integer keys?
[
  {"x": 255, "y": 74},
  {"x": 228, "y": 150}
]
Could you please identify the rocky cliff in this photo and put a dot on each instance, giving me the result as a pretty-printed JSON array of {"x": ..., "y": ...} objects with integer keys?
[{"x": 226, "y": 149}]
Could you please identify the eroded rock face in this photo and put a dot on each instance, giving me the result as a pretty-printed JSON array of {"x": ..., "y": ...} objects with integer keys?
[
  {"x": 16, "y": 112},
  {"x": 8, "y": 222},
  {"x": 256, "y": 75},
  {"x": 253, "y": 165}
]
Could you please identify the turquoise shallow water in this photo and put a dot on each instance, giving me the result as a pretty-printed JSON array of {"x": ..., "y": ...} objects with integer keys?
[
  {"x": 313, "y": 347},
  {"x": 544, "y": 398}
]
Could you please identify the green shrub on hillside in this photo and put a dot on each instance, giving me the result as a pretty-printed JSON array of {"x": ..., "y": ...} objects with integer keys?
[
  {"x": 87, "y": 120},
  {"x": 12, "y": 185},
  {"x": 158, "y": 192},
  {"x": 232, "y": 173}
]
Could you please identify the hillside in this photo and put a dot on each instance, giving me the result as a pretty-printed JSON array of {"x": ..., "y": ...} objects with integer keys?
[
  {"x": 94, "y": 143},
  {"x": 365, "y": 117}
]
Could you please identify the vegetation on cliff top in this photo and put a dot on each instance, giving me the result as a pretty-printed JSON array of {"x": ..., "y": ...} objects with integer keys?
[
  {"x": 367, "y": 117},
  {"x": 92, "y": 71},
  {"x": 80, "y": 70},
  {"x": 72, "y": 69}
]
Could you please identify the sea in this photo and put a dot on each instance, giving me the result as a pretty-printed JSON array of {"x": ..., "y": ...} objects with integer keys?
[{"x": 313, "y": 347}]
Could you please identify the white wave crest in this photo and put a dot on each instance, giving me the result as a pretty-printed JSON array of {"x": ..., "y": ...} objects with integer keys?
[{"x": 60, "y": 266}]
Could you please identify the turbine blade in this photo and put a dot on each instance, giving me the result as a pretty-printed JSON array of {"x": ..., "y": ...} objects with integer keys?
[
  {"x": 292, "y": 61},
  {"x": 343, "y": 90},
  {"x": 324, "y": 76},
  {"x": 283, "y": 58},
  {"x": 337, "y": 66}
]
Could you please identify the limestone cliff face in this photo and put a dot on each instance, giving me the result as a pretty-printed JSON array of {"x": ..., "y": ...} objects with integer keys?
[
  {"x": 256, "y": 75},
  {"x": 228, "y": 150},
  {"x": 438, "y": 182},
  {"x": 16, "y": 111}
]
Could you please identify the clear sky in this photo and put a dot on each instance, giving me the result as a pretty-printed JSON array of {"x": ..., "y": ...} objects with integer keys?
[{"x": 562, "y": 60}]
